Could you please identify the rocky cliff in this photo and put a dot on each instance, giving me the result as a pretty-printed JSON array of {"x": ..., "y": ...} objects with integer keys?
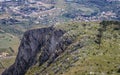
[
  {"x": 38, "y": 45},
  {"x": 73, "y": 48}
]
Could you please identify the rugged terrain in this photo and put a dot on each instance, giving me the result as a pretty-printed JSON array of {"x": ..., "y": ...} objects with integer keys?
[
  {"x": 44, "y": 43},
  {"x": 18, "y": 16},
  {"x": 69, "y": 49}
]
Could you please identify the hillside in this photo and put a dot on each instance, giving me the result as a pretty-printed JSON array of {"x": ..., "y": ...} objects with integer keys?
[
  {"x": 86, "y": 46},
  {"x": 8, "y": 49},
  {"x": 75, "y": 48},
  {"x": 49, "y": 12},
  {"x": 17, "y": 16},
  {"x": 84, "y": 55}
]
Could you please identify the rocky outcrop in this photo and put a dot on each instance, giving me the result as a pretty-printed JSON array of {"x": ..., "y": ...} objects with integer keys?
[{"x": 38, "y": 46}]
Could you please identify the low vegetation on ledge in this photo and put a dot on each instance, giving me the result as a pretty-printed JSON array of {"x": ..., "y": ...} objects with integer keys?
[{"x": 94, "y": 50}]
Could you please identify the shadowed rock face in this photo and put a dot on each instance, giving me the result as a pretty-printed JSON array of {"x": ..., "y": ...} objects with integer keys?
[{"x": 37, "y": 46}]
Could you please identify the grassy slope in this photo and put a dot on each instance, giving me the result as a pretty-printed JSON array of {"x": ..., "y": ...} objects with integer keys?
[
  {"x": 84, "y": 56},
  {"x": 6, "y": 41},
  {"x": 6, "y": 62}
]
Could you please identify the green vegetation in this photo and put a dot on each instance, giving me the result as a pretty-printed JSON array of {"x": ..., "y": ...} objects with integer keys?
[
  {"x": 95, "y": 46},
  {"x": 75, "y": 10},
  {"x": 85, "y": 56},
  {"x": 89, "y": 8},
  {"x": 9, "y": 45},
  {"x": 8, "y": 42},
  {"x": 6, "y": 62}
]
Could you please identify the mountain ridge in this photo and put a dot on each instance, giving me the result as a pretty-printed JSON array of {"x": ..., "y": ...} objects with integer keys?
[{"x": 70, "y": 49}]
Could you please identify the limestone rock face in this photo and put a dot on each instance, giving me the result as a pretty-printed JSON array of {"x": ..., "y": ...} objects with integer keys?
[{"x": 38, "y": 46}]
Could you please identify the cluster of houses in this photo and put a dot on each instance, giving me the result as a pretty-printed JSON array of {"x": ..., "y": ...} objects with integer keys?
[{"x": 102, "y": 16}]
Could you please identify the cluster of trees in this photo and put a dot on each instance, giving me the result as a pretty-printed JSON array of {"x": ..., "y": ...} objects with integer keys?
[{"x": 103, "y": 27}]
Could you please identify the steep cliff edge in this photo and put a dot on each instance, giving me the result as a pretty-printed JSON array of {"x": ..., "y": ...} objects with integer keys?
[
  {"x": 74, "y": 48},
  {"x": 38, "y": 45}
]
